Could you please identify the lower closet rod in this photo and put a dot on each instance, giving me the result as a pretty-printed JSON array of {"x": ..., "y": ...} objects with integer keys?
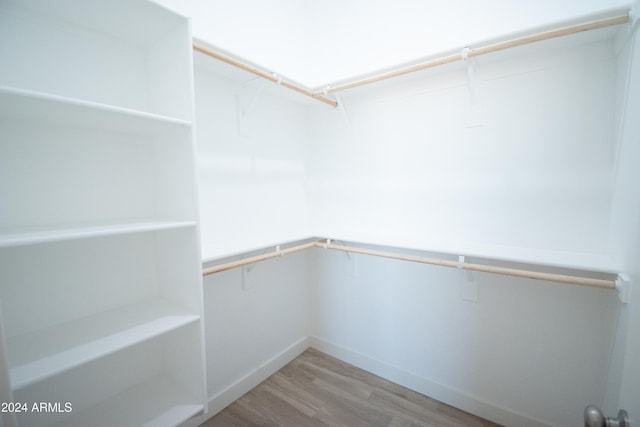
[
  {"x": 561, "y": 278},
  {"x": 527, "y": 274}
]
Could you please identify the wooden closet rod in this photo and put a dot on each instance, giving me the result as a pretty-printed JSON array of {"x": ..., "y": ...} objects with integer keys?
[
  {"x": 257, "y": 258},
  {"x": 320, "y": 94},
  {"x": 200, "y": 47},
  {"x": 482, "y": 50},
  {"x": 561, "y": 278},
  {"x": 527, "y": 274}
]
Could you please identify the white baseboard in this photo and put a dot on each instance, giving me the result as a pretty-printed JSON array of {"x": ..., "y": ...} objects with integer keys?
[
  {"x": 230, "y": 394},
  {"x": 443, "y": 393}
]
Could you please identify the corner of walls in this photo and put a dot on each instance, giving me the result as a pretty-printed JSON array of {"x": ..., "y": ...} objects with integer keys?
[
  {"x": 251, "y": 173},
  {"x": 252, "y": 184},
  {"x": 256, "y": 321},
  {"x": 227, "y": 396},
  {"x": 234, "y": 391}
]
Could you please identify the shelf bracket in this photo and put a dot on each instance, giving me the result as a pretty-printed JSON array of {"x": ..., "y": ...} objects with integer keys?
[
  {"x": 248, "y": 281},
  {"x": 474, "y": 117},
  {"x": 340, "y": 105},
  {"x": 471, "y": 75},
  {"x": 623, "y": 288},
  {"x": 468, "y": 282},
  {"x": 343, "y": 110}
]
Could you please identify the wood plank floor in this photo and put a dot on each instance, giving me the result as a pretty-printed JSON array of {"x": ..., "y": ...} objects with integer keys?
[{"x": 318, "y": 390}]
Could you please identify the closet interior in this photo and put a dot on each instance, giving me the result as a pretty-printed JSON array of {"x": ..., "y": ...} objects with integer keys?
[{"x": 178, "y": 222}]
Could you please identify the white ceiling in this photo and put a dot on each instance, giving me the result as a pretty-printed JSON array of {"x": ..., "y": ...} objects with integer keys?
[{"x": 320, "y": 42}]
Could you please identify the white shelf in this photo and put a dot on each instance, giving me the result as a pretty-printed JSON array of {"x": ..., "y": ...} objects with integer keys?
[
  {"x": 21, "y": 237},
  {"x": 38, "y": 355},
  {"x": 242, "y": 250},
  {"x": 157, "y": 402},
  {"x": 594, "y": 262},
  {"x": 20, "y": 104},
  {"x": 117, "y": 19}
]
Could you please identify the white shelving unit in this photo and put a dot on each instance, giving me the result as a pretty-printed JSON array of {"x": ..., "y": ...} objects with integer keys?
[
  {"x": 100, "y": 283},
  {"x": 156, "y": 402},
  {"x": 49, "y": 351}
]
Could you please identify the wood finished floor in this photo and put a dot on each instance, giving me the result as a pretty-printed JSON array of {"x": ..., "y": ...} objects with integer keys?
[{"x": 318, "y": 390}]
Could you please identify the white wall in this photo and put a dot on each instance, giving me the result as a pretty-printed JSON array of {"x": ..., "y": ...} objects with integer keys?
[
  {"x": 272, "y": 34},
  {"x": 535, "y": 178},
  {"x": 252, "y": 184},
  {"x": 360, "y": 36},
  {"x": 625, "y": 236},
  {"x": 528, "y": 353},
  {"x": 630, "y": 388},
  {"x": 317, "y": 43},
  {"x": 251, "y": 176},
  {"x": 252, "y": 321},
  {"x": 252, "y": 194}
]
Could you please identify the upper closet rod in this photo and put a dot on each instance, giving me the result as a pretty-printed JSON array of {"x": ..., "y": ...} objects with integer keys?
[
  {"x": 201, "y": 47},
  {"x": 489, "y": 48}
]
